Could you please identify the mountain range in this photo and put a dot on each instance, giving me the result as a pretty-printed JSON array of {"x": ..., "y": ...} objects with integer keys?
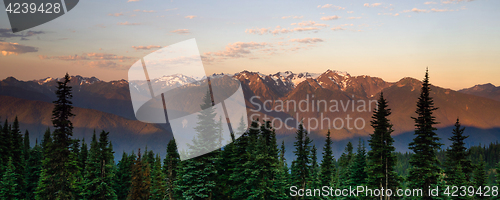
[{"x": 106, "y": 105}]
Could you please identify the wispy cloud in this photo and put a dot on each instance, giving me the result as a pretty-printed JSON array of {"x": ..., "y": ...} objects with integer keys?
[
  {"x": 307, "y": 40},
  {"x": 128, "y": 23},
  {"x": 326, "y": 18},
  {"x": 93, "y": 60},
  {"x": 441, "y": 10},
  {"x": 133, "y": 0},
  {"x": 292, "y": 17},
  {"x": 429, "y": 2},
  {"x": 146, "y": 47},
  {"x": 309, "y": 23},
  {"x": 190, "y": 17},
  {"x": 144, "y": 11},
  {"x": 372, "y": 5},
  {"x": 278, "y": 30},
  {"x": 115, "y": 14},
  {"x": 416, "y": 10},
  {"x": 181, "y": 31},
  {"x": 331, "y": 6},
  {"x": 338, "y": 28},
  {"x": 10, "y": 48},
  {"x": 7, "y": 33}
]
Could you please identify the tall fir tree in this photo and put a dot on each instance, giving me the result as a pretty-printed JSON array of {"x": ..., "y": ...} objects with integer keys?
[
  {"x": 345, "y": 162},
  {"x": 381, "y": 160},
  {"x": 425, "y": 168},
  {"x": 328, "y": 170},
  {"x": 123, "y": 176},
  {"x": 357, "y": 172},
  {"x": 243, "y": 146},
  {"x": 314, "y": 181},
  {"x": 479, "y": 177},
  {"x": 282, "y": 182},
  {"x": 16, "y": 153},
  {"x": 33, "y": 169},
  {"x": 171, "y": 167},
  {"x": 58, "y": 175},
  {"x": 9, "y": 189},
  {"x": 82, "y": 157},
  {"x": 198, "y": 175},
  {"x": 301, "y": 166},
  {"x": 99, "y": 174},
  {"x": 158, "y": 178},
  {"x": 138, "y": 188},
  {"x": 4, "y": 147},
  {"x": 457, "y": 155}
]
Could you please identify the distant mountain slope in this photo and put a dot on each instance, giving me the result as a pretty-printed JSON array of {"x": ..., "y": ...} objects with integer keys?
[
  {"x": 126, "y": 134},
  {"x": 485, "y": 90}
]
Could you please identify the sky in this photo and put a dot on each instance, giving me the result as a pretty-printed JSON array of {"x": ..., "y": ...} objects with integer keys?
[{"x": 458, "y": 40}]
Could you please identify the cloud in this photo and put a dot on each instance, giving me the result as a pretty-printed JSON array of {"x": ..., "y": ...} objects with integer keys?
[
  {"x": 190, "y": 16},
  {"x": 309, "y": 23},
  {"x": 430, "y": 2},
  {"x": 300, "y": 29},
  {"x": 115, "y": 14},
  {"x": 338, "y": 28},
  {"x": 133, "y": 0},
  {"x": 331, "y": 6},
  {"x": 181, "y": 31},
  {"x": 146, "y": 47},
  {"x": 171, "y": 9},
  {"x": 326, "y": 18},
  {"x": 293, "y": 17},
  {"x": 144, "y": 11},
  {"x": 237, "y": 49},
  {"x": 372, "y": 5},
  {"x": 7, "y": 33},
  {"x": 416, "y": 10},
  {"x": 441, "y": 10},
  {"x": 354, "y": 18},
  {"x": 128, "y": 23},
  {"x": 350, "y": 11},
  {"x": 10, "y": 48},
  {"x": 307, "y": 40},
  {"x": 93, "y": 60}
]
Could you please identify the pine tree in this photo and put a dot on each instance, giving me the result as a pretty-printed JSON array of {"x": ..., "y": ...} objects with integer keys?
[
  {"x": 314, "y": 181},
  {"x": 198, "y": 176},
  {"x": 302, "y": 163},
  {"x": 170, "y": 168},
  {"x": 425, "y": 165},
  {"x": 34, "y": 168},
  {"x": 328, "y": 169},
  {"x": 9, "y": 189},
  {"x": 457, "y": 155},
  {"x": 16, "y": 153},
  {"x": 345, "y": 162},
  {"x": 381, "y": 160},
  {"x": 282, "y": 177},
  {"x": 27, "y": 147},
  {"x": 357, "y": 173},
  {"x": 480, "y": 178},
  {"x": 138, "y": 188},
  {"x": 58, "y": 175},
  {"x": 123, "y": 176},
  {"x": 82, "y": 157},
  {"x": 158, "y": 184},
  {"x": 4, "y": 147},
  {"x": 243, "y": 147}
]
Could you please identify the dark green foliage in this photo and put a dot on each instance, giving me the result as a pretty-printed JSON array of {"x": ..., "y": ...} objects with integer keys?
[
  {"x": 302, "y": 163},
  {"x": 357, "y": 172},
  {"x": 82, "y": 157},
  {"x": 345, "y": 162},
  {"x": 171, "y": 167},
  {"x": 33, "y": 170},
  {"x": 425, "y": 165},
  {"x": 16, "y": 153},
  {"x": 328, "y": 172},
  {"x": 99, "y": 174},
  {"x": 123, "y": 176},
  {"x": 158, "y": 178},
  {"x": 381, "y": 158},
  {"x": 9, "y": 189},
  {"x": 457, "y": 155},
  {"x": 479, "y": 176},
  {"x": 58, "y": 179},
  {"x": 139, "y": 190}
]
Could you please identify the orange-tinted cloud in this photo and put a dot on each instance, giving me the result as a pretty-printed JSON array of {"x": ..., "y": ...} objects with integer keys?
[
  {"x": 146, "y": 47},
  {"x": 190, "y": 17},
  {"x": 10, "y": 48},
  {"x": 128, "y": 23},
  {"x": 326, "y": 18},
  {"x": 181, "y": 31}
]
